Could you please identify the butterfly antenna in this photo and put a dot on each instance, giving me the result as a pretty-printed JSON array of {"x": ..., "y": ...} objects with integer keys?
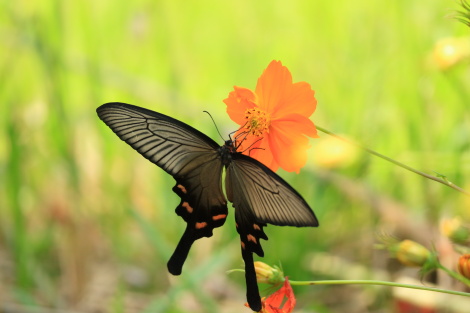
[{"x": 214, "y": 125}]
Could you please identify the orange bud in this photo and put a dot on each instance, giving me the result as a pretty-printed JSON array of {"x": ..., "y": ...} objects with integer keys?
[{"x": 464, "y": 265}]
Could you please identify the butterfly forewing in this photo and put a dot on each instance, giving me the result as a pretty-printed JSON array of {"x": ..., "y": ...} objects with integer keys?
[
  {"x": 169, "y": 143},
  {"x": 183, "y": 152}
]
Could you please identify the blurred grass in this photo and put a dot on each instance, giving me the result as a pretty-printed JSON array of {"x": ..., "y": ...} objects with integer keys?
[{"x": 87, "y": 224}]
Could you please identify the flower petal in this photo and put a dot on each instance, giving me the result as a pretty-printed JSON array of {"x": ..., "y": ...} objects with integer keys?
[
  {"x": 265, "y": 155},
  {"x": 302, "y": 123},
  {"x": 275, "y": 81},
  {"x": 238, "y": 102},
  {"x": 258, "y": 148},
  {"x": 274, "y": 302},
  {"x": 288, "y": 141},
  {"x": 300, "y": 100},
  {"x": 279, "y": 96}
]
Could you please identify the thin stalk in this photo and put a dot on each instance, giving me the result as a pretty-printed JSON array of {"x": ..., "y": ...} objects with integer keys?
[
  {"x": 376, "y": 282},
  {"x": 443, "y": 180},
  {"x": 455, "y": 275}
]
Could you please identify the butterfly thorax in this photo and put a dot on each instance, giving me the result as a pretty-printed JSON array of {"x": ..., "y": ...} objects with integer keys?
[{"x": 226, "y": 152}]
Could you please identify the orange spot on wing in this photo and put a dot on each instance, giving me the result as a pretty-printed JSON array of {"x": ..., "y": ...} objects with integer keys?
[
  {"x": 255, "y": 226},
  {"x": 201, "y": 225},
  {"x": 219, "y": 217},
  {"x": 181, "y": 187},
  {"x": 251, "y": 238},
  {"x": 243, "y": 245},
  {"x": 187, "y": 207}
]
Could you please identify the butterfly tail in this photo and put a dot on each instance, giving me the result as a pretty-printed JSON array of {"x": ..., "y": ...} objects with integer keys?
[
  {"x": 252, "y": 291},
  {"x": 175, "y": 264}
]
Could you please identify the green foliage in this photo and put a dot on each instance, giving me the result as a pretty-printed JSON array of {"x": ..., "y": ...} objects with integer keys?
[{"x": 77, "y": 205}]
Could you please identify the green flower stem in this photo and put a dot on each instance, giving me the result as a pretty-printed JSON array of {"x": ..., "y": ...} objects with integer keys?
[
  {"x": 455, "y": 275},
  {"x": 375, "y": 282},
  {"x": 381, "y": 282},
  {"x": 442, "y": 180}
]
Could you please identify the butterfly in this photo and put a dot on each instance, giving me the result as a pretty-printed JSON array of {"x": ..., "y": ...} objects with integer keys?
[{"x": 196, "y": 162}]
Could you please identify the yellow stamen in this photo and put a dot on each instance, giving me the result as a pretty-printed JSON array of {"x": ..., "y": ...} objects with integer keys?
[{"x": 258, "y": 121}]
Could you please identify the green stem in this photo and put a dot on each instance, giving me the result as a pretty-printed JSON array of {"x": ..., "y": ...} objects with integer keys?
[
  {"x": 382, "y": 283},
  {"x": 443, "y": 181},
  {"x": 375, "y": 282},
  {"x": 454, "y": 275}
]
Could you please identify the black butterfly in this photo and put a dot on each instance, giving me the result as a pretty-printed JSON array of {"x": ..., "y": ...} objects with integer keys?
[{"x": 195, "y": 161}]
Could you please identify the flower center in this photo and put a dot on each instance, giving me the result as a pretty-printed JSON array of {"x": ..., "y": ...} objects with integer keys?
[{"x": 258, "y": 121}]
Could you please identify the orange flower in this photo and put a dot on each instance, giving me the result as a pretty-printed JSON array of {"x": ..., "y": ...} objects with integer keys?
[
  {"x": 274, "y": 119},
  {"x": 282, "y": 301}
]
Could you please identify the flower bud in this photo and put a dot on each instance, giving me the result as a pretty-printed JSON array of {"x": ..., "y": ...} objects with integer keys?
[
  {"x": 464, "y": 265},
  {"x": 455, "y": 230},
  {"x": 266, "y": 274},
  {"x": 331, "y": 152},
  {"x": 411, "y": 253}
]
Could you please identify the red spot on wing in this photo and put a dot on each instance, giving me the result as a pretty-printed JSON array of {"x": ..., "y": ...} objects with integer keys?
[
  {"x": 187, "y": 207},
  {"x": 201, "y": 225},
  {"x": 251, "y": 238},
  {"x": 219, "y": 217},
  {"x": 243, "y": 245},
  {"x": 255, "y": 226},
  {"x": 181, "y": 187}
]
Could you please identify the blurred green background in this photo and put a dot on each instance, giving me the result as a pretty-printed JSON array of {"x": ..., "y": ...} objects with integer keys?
[{"x": 87, "y": 224}]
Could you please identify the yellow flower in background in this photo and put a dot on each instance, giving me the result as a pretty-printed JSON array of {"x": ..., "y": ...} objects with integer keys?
[
  {"x": 449, "y": 52},
  {"x": 331, "y": 152},
  {"x": 455, "y": 230}
]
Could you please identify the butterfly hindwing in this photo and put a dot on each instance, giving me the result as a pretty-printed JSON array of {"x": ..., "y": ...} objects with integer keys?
[
  {"x": 271, "y": 199},
  {"x": 183, "y": 152},
  {"x": 198, "y": 225},
  {"x": 260, "y": 196}
]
